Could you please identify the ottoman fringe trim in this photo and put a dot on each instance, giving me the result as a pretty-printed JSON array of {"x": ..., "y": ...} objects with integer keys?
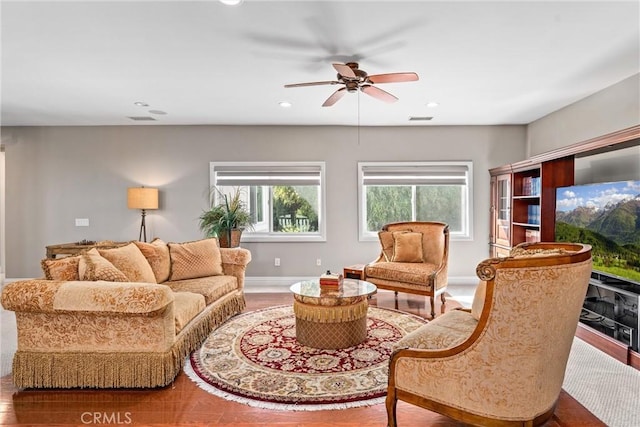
[{"x": 330, "y": 314}]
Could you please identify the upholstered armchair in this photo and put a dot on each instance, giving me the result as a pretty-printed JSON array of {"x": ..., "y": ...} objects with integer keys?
[
  {"x": 414, "y": 259},
  {"x": 503, "y": 361}
]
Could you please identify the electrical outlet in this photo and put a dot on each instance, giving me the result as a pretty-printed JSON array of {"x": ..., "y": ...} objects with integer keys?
[
  {"x": 318, "y": 262},
  {"x": 82, "y": 222},
  {"x": 276, "y": 262}
]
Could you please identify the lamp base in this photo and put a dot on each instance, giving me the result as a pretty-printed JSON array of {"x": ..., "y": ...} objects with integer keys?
[{"x": 143, "y": 228}]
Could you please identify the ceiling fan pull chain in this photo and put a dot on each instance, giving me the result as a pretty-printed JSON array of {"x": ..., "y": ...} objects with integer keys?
[{"x": 358, "y": 119}]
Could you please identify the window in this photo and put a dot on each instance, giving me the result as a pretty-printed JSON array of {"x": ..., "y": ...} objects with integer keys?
[
  {"x": 415, "y": 191},
  {"x": 285, "y": 199}
]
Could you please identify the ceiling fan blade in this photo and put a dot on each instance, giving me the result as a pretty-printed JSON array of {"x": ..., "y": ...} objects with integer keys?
[
  {"x": 378, "y": 93},
  {"x": 332, "y": 82},
  {"x": 344, "y": 70},
  {"x": 335, "y": 97},
  {"x": 393, "y": 78}
]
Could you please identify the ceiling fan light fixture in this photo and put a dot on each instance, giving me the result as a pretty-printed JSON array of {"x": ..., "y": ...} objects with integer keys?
[{"x": 231, "y": 2}]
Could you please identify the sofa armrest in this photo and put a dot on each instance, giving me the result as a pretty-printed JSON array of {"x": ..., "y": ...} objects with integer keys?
[
  {"x": 59, "y": 316},
  {"x": 235, "y": 256},
  {"x": 51, "y": 296},
  {"x": 234, "y": 263}
]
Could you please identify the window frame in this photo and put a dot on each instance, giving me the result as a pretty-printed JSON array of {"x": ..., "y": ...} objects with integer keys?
[
  {"x": 366, "y": 236},
  {"x": 250, "y": 236}
]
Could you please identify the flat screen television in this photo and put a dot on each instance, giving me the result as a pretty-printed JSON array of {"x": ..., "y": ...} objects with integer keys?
[{"x": 607, "y": 217}]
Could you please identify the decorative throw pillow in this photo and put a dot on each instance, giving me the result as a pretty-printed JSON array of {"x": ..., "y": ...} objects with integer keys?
[
  {"x": 386, "y": 241},
  {"x": 94, "y": 267},
  {"x": 131, "y": 262},
  {"x": 157, "y": 254},
  {"x": 191, "y": 260},
  {"x": 478, "y": 299},
  {"x": 407, "y": 246},
  {"x": 62, "y": 268}
]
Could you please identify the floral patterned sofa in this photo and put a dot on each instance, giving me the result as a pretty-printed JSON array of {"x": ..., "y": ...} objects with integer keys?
[{"x": 122, "y": 317}]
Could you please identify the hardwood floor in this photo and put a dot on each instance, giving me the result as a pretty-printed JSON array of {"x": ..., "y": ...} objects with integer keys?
[{"x": 184, "y": 404}]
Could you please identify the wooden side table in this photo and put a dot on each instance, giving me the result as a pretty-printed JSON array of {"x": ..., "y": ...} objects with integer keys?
[
  {"x": 70, "y": 249},
  {"x": 355, "y": 271}
]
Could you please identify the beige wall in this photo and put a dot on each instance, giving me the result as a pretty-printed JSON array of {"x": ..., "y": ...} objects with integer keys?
[
  {"x": 57, "y": 174},
  {"x": 614, "y": 108}
]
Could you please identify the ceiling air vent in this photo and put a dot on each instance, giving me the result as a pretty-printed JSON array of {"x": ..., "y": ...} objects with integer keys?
[
  {"x": 419, "y": 119},
  {"x": 142, "y": 118}
]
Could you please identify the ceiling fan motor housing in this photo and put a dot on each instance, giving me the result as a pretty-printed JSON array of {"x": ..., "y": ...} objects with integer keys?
[{"x": 352, "y": 85}]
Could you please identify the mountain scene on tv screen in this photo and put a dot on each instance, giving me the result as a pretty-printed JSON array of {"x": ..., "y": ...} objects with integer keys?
[{"x": 607, "y": 217}]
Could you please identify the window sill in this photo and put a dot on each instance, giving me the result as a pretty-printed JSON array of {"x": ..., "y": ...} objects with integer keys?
[{"x": 284, "y": 238}]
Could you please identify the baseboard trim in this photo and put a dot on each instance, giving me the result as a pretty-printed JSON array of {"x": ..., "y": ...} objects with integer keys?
[
  {"x": 271, "y": 284},
  {"x": 268, "y": 284}
]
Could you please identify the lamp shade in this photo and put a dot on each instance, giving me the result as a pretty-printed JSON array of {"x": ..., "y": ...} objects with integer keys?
[{"x": 142, "y": 198}]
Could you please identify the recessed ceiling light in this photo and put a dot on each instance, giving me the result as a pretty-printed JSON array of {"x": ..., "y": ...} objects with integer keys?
[
  {"x": 285, "y": 104},
  {"x": 140, "y": 104},
  {"x": 142, "y": 118},
  {"x": 432, "y": 104},
  {"x": 231, "y": 2},
  {"x": 160, "y": 112}
]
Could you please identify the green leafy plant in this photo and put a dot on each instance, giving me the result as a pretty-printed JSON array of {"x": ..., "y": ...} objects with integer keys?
[{"x": 224, "y": 217}]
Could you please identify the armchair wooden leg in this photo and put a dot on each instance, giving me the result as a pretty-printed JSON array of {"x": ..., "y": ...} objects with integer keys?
[
  {"x": 433, "y": 307},
  {"x": 442, "y": 298},
  {"x": 391, "y": 403}
]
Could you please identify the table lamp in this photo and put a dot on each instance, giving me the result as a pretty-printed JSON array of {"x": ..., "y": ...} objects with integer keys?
[{"x": 142, "y": 198}]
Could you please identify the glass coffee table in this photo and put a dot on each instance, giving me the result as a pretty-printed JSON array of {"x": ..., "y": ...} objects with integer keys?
[{"x": 330, "y": 318}]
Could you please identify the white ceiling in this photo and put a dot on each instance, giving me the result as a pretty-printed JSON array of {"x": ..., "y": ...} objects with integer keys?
[{"x": 86, "y": 63}]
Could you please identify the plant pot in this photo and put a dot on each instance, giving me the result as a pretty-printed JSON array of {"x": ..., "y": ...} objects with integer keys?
[{"x": 224, "y": 241}]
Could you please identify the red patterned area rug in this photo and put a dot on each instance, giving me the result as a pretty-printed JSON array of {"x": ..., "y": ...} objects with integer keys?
[{"x": 255, "y": 359}]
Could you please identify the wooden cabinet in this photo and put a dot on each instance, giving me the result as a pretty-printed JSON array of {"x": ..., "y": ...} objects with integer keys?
[
  {"x": 500, "y": 227},
  {"x": 70, "y": 249},
  {"x": 355, "y": 271},
  {"x": 555, "y": 169},
  {"x": 523, "y": 202},
  {"x": 526, "y": 205}
]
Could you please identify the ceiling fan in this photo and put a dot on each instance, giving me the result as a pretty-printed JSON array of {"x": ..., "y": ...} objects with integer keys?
[{"x": 354, "y": 78}]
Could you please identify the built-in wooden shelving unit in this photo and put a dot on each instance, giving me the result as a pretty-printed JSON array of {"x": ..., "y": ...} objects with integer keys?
[{"x": 520, "y": 212}]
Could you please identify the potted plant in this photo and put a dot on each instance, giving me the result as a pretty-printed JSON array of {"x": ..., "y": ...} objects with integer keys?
[{"x": 226, "y": 220}]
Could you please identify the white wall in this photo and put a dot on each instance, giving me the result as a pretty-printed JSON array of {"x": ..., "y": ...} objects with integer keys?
[
  {"x": 2, "y": 216},
  {"x": 57, "y": 174},
  {"x": 618, "y": 165},
  {"x": 614, "y": 108}
]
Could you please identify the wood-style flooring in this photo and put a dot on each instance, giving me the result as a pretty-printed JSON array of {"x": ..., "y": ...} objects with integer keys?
[{"x": 184, "y": 404}]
